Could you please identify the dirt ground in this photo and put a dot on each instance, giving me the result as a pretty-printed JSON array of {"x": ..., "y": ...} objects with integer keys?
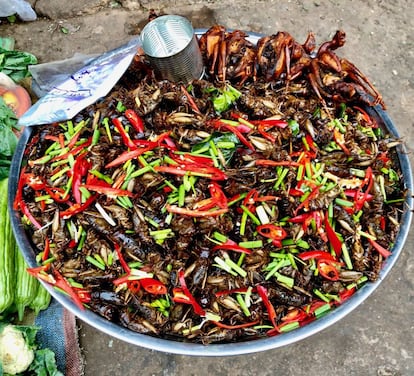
[{"x": 375, "y": 339}]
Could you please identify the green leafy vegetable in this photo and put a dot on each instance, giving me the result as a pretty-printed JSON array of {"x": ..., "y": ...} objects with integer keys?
[
  {"x": 44, "y": 363},
  {"x": 40, "y": 362},
  {"x": 15, "y": 64},
  {"x": 217, "y": 139},
  {"x": 294, "y": 126},
  {"x": 224, "y": 98},
  {"x": 8, "y": 122}
]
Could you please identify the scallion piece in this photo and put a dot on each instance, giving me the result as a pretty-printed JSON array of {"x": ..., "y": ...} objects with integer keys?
[
  {"x": 181, "y": 195},
  {"x": 251, "y": 244},
  {"x": 220, "y": 237},
  {"x": 261, "y": 213},
  {"x": 243, "y": 223},
  {"x": 255, "y": 220},
  {"x": 234, "y": 266},
  {"x": 322, "y": 296},
  {"x": 288, "y": 281},
  {"x": 322, "y": 310},
  {"x": 95, "y": 262},
  {"x": 344, "y": 203},
  {"x": 242, "y": 304},
  {"x": 222, "y": 265},
  {"x": 290, "y": 326}
]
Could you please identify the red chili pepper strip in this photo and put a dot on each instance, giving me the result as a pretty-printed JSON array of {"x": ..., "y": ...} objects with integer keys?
[
  {"x": 366, "y": 117},
  {"x": 135, "y": 120},
  {"x": 169, "y": 143},
  {"x": 124, "y": 279},
  {"x": 242, "y": 127},
  {"x": 121, "y": 259},
  {"x": 369, "y": 181},
  {"x": 271, "y": 122},
  {"x": 84, "y": 295},
  {"x": 108, "y": 190},
  {"x": 301, "y": 217},
  {"x": 306, "y": 219},
  {"x": 333, "y": 237},
  {"x": 250, "y": 199},
  {"x": 61, "y": 283},
  {"x": 271, "y": 231},
  {"x": 381, "y": 250},
  {"x": 179, "y": 296},
  {"x": 126, "y": 156},
  {"x": 340, "y": 140},
  {"x": 153, "y": 286},
  {"x": 346, "y": 294},
  {"x": 39, "y": 272},
  {"x": 77, "y": 208},
  {"x": 232, "y": 247},
  {"x": 218, "y": 195},
  {"x": 194, "y": 213},
  {"x": 73, "y": 140},
  {"x": 311, "y": 143},
  {"x": 46, "y": 250},
  {"x": 34, "y": 182},
  {"x": 262, "y": 291},
  {"x": 188, "y": 159},
  {"x": 328, "y": 270},
  {"x": 197, "y": 308},
  {"x": 124, "y": 135},
  {"x": 305, "y": 202},
  {"x": 239, "y": 326},
  {"x": 57, "y": 194},
  {"x": 52, "y": 138},
  {"x": 353, "y": 193},
  {"x": 316, "y": 255},
  {"x": 29, "y": 215},
  {"x": 383, "y": 157},
  {"x": 266, "y": 198},
  {"x": 383, "y": 223},
  {"x": 212, "y": 173},
  {"x": 315, "y": 305},
  {"x": 263, "y": 126},
  {"x": 206, "y": 204},
  {"x": 220, "y": 125},
  {"x": 190, "y": 100},
  {"x": 80, "y": 168},
  {"x": 74, "y": 151},
  {"x": 296, "y": 314},
  {"x": 134, "y": 286},
  {"x": 295, "y": 192},
  {"x": 57, "y": 280},
  {"x": 19, "y": 193},
  {"x": 270, "y": 163}
]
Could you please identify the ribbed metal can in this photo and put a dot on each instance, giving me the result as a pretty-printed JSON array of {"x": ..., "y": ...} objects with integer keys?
[{"x": 171, "y": 46}]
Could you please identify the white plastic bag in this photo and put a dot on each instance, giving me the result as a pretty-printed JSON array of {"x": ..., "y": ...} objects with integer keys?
[
  {"x": 82, "y": 88},
  {"x": 20, "y": 7}
]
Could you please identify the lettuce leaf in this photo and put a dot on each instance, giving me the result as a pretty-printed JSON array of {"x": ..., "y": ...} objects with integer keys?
[
  {"x": 15, "y": 64},
  {"x": 224, "y": 98},
  {"x": 44, "y": 363},
  {"x": 8, "y": 122}
]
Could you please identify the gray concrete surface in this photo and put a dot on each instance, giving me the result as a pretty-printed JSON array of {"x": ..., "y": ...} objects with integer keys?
[{"x": 378, "y": 337}]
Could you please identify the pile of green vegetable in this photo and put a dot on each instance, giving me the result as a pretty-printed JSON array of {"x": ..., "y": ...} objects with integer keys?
[
  {"x": 20, "y": 355},
  {"x": 18, "y": 289},
  {"x": 8, "y": 122}
]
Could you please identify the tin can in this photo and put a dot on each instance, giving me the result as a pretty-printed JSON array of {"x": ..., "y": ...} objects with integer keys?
[{"x": 171, "y": 46}]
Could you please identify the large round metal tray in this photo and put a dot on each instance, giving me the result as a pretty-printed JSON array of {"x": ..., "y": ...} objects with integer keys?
[{"x": 238, "y": 348}]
